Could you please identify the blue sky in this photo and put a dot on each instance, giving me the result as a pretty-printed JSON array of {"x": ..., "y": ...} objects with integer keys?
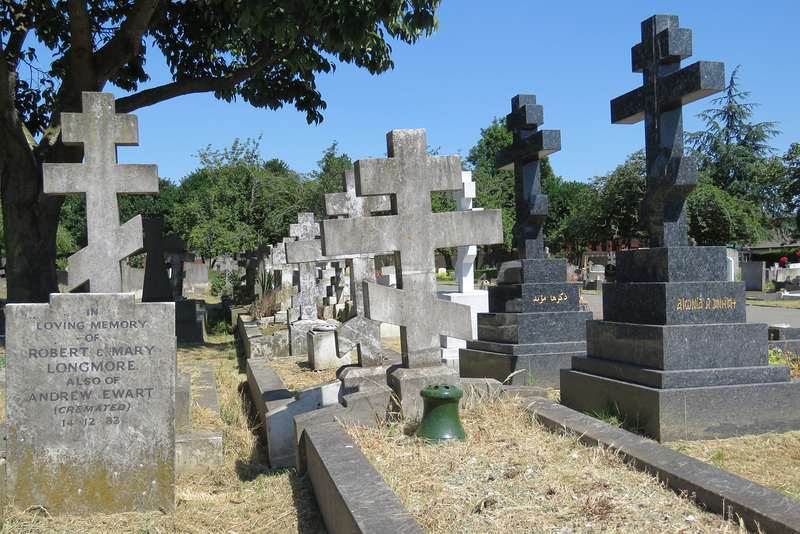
[{"x": 574, "y": 56}]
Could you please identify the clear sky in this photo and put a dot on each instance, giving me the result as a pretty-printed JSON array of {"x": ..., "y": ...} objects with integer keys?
[{"x": 574, "y": 56}]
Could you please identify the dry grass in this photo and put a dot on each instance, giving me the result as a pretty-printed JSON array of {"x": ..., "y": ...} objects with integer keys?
[
  {"x": 512, "y": 475},
  {"x": 772, "y": 460},
  {"x": 774, "y": 303},
  {"x": 297, "y": 374},
  {"x": 242, "y": 496}
]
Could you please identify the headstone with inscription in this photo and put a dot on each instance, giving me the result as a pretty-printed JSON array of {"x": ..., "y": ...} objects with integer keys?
[
  {"x": 90, "y": 399},
  {"x": 534, "y": 325},
  {"x": 413, "y": 232},
  {"x": 674, "y": 353}
]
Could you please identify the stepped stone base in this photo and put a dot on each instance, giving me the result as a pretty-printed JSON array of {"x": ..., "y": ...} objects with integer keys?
[
  {"x": 540, "y": 369},
  {"x": 690, "y": 413}
]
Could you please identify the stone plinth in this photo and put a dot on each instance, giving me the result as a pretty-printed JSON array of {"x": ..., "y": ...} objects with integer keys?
[
  {"x": 533, "y": 329},
  {"x": 681, "y": 363},
  {"x": 91, "y": 404}
]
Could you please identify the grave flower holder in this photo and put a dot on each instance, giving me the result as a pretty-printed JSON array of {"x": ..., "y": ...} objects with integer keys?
[{"x": 440, "y": 418}]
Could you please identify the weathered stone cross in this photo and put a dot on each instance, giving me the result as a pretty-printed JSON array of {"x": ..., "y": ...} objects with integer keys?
[
  {"x": 101, "y": 178},
  {"x": 530, "y": 145},
  {"x": 410, "y": 175},
  {"x": 670, "y": 175},
  {"x": 306, "y": 299},
  {"x": 358, "y": 331}
]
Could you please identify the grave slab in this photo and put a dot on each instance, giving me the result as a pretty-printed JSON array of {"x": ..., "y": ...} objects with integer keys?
[
  {"x": 91, "y": 404},
  {"x": 277, "y": 407}
]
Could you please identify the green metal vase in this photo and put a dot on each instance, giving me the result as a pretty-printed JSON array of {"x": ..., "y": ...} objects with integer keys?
[{"x": 440, "y": 418}]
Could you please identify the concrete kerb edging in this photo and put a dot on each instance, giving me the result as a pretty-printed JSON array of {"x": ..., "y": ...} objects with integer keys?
[
  {"x": 351, "y": 495},
  {"x": 719, "y": 491}
]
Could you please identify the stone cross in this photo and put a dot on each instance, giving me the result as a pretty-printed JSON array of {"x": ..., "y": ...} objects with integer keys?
[
  {"x": 413, "y": 233},
  {"x": 529, "y": 146},
  {"x": 284, "y": 272},
  {"x": 100, "y": 130},
  {"x": 306, "y": 298},
  {"x": 359, "y": 330},
  {"x": 156, "y": 280},
  {"x": 465, "y": 261},
  {"x": 671, "y": 176}
]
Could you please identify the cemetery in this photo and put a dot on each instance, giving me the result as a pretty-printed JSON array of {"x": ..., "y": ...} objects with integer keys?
[{"x": 286, "y": 388}]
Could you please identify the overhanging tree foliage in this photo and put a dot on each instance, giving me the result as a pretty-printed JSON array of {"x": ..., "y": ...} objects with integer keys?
[{"x": 266, "y": 52}]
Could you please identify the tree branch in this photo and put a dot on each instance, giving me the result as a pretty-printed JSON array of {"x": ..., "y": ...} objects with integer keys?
[
  {"x": 80, "y": 50},
  {"x": 127, "y": 41},
  {"x": 206, "y": 84},
  {"x": 16, "y": 39}
]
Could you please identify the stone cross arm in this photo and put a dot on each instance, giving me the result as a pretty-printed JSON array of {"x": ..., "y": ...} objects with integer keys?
[
  {"x": 378, "y": 235},
  {"x": 680, "y": 87},
  {"x": 536, "y": 146},
  {"x": 311, "y": 252},
  {"x": 375, "y": 176},
  {"x": 464, "y": 228}
]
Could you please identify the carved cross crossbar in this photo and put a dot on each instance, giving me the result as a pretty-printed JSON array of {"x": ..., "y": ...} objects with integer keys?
[
  {"x": 100, "y": 130},
  {"x": 671, "y": 176},
  {"x": 529, "y": 146},
  {"x": 413, "y": 233}
]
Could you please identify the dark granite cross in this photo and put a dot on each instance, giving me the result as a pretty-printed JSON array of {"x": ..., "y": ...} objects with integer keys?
[
  {"x": 156, "y": 286},
  {"x": 671, "y": 176},
  {"x": 530, "y": 145},
  {"x": 100, "y": 130}
]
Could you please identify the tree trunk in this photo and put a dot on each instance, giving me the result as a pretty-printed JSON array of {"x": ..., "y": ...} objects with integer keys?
[{"x": 30, "y": 221}]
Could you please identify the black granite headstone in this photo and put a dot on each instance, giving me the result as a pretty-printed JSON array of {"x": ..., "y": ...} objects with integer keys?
[
  {"x": 534, "y": 325},
  {"x": 674, "y": 351}
]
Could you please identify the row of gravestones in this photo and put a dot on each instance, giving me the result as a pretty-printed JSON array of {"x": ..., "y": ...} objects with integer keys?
[{"x": 91, "y": 377}]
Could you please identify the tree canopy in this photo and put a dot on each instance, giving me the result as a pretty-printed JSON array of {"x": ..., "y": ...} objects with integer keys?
[{"x": 265, "y": 52}]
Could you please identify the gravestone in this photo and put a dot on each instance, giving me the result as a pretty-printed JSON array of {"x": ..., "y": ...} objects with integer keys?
[
  {"x": 534, "y": 325},
  {"x": 176, "y": 254},
  {"x": 157, "y": 286},
  {"x": 284, "y": 279},
  {"x": 477, "y": 300},
  {"x": 90, "y": 398},
  {"x": 674, "y": 353},
  {"x": 412, "y": 232},
  {"x": 310, "y": 291},
  {"x": 190, "y": 324},
  {"x": 100, "y": 130}
]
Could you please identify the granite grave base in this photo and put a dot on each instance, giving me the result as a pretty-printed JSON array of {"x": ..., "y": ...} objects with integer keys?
[{"x": 690, "y": 413}]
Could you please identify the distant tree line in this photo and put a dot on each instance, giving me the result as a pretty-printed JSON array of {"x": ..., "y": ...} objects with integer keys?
[
  {"x": 744, "y": 191},
  {"x": 236, "y": 200}
]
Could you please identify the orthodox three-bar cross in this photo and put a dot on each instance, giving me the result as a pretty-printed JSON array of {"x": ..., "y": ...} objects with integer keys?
[
  {"x": 671, "y": 176},
  {"x": 530, "y": 145},
  {"x": 100, "y": 130},
  {"x": 409, "y": 175}
]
